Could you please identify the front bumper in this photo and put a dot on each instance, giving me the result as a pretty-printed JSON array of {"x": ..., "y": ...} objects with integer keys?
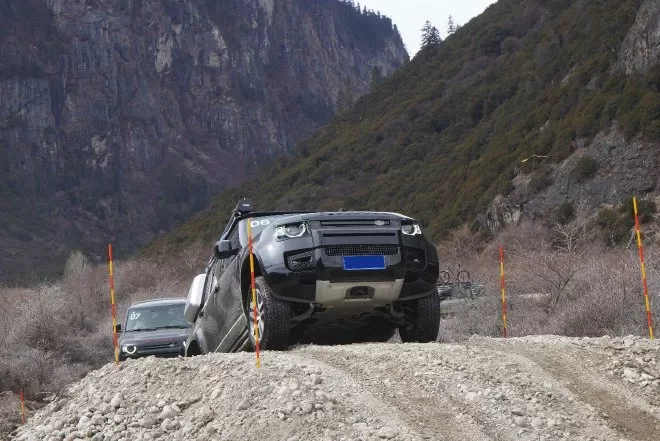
[
  {"x": 162, "y": 350},
  {"x": 311, "y": 270}
]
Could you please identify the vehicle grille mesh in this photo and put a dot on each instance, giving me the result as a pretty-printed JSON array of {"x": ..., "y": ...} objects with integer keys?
[
  {"x": 158, "y": 347},
  {"x": 361, "y": 250},
  {"x": 301, "y": 261}
]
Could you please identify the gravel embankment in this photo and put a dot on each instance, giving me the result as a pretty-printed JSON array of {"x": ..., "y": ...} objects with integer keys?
[{"x": 534, "y": 388}]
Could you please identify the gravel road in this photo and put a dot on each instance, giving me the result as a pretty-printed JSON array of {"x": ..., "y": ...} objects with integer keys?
[{"x": 533, "y": 388}]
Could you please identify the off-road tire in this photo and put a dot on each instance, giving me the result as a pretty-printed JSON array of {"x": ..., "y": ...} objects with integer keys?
[
  {"x": 424, "y": 314},
  {"x": 277, "y": 315}
]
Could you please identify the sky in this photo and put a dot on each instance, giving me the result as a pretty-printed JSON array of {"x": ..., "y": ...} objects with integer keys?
[{"x": 410, "y": 15}]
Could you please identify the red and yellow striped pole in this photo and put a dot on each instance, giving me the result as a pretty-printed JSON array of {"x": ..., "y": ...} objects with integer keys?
[
  {"x": 254, "y": 294},
  {"x": 649, "y": 318},
  {"x": 22, "y": 406},
  {"x": 113, "y": 307},
  {"x": 503, "y": 286}
]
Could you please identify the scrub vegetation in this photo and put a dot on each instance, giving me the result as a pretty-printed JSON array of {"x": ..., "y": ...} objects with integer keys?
[{"x": 441, "y": 137}]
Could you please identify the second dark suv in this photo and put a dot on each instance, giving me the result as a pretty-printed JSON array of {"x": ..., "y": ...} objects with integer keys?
[{"x": 154, "y": 327}]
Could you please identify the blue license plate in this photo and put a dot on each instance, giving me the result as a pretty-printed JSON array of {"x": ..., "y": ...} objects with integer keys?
[{"x": 355, "y": 263}]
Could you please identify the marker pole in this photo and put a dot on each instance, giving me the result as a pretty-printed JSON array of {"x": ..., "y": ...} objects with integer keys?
[
  {"x": 503, "y": 286},
  {"x": 113, "y": 307},
  {"x": 22, "y": 406},
  {"x": 647, "y": 304},
  {"x": 254, "y": 294}
]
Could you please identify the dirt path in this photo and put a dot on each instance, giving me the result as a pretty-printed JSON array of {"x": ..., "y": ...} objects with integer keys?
[
  {"x": 583, "y": 372},
  {"x": 540, "y": 388},
  {"x": 429, "y": 411}
]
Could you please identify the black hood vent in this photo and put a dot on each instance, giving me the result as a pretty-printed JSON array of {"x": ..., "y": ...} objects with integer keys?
[{"x": 355, "y": 223}]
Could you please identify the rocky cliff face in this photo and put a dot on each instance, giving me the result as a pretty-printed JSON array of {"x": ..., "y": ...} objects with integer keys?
[
  {"x": 120, "y": 117},
  {"x": 641, "y": 48}
]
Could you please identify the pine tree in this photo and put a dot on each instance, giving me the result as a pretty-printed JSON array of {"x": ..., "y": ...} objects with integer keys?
[
  {"x": 430, "y": 35},
  {"x": 451, "y": 27}
]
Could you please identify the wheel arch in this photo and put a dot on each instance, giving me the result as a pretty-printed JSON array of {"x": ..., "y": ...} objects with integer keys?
[
  {"x": 246, "y": 282},
  {"x": 193, "y": 349}
]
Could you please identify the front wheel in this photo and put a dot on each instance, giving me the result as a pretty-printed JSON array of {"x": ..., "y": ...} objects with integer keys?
[
  {"x": 424, "y": 315},
  {"x": 273, "y": 318}
]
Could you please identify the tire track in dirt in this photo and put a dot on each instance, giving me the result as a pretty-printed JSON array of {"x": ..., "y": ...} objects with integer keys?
[
  {"x": 572, "y": 369},
  {"x": 431, "y": 414}
]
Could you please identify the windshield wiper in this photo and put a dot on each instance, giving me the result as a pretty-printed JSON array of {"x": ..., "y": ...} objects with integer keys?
[
  {"x": 174, "y": 327},
  {"x": 142, "y": 329}
]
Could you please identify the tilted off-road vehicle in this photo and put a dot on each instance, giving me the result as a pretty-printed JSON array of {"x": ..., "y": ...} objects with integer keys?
[{"x": 324, "y": 278}]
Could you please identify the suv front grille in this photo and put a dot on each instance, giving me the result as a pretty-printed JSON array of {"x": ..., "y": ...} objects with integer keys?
[{"x": 361, "y": 250}]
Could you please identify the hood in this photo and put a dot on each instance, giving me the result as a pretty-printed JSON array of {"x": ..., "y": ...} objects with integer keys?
[
  {"x": 157, "y": 337},
  {"x": 346, "y": 216}
]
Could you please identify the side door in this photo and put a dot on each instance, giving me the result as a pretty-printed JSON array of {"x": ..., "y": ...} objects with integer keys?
[
  {"x": 228, "y": 299},
  {"x": 208, "y": 322}
]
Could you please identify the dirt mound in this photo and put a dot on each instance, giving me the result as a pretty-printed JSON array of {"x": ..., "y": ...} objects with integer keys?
[{"x": 523, "y": 389}]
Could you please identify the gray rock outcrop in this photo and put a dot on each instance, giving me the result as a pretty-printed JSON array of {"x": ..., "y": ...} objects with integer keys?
[{"x": 120, "y": 117}]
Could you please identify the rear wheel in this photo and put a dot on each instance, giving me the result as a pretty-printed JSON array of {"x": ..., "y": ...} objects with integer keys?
[
  {"x": 273, "y": 318},
  {"x": 424, "y": 315}
]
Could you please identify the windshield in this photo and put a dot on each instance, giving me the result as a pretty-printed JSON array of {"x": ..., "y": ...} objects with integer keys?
[{"x": 149, "y": 318}]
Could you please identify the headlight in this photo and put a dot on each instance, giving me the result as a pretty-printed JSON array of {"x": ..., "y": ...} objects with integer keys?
[
  {"x": 129, "y": 349},
  {"x": 411, "y": 229},
  {"x": 291, "y": 231}
]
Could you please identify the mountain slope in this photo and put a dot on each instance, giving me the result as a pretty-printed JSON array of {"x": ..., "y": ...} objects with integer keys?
[
  {"x": 444, "y": 135},
  {"x": 120, "y": 117}
]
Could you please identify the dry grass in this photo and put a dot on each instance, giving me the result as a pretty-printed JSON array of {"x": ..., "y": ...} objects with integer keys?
[
  {"x": 53, "y": 334},
  {"x": 559, "y": 281}
]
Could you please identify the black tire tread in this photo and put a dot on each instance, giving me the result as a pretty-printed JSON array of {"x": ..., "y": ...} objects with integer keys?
[
  {"x": 426, "y": 321},
  {"x": 277, "y": 326}
]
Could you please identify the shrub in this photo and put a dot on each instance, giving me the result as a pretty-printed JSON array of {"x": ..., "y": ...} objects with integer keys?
[
  {"x": 615, "y": 226},
  {"x": 54, "y": 334},
  {"x": 541, "y": 180},
  {"x": 564, "y": 213},
  {"x": 583, "y": 291},
  {"x": 585, "y": 168},
  {"x": 646, "y": 208}
]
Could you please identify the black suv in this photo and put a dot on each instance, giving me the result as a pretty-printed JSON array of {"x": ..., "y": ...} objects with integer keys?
[
  {"x": 154, "y": 327},
  {"x": 330, "y": 277}
]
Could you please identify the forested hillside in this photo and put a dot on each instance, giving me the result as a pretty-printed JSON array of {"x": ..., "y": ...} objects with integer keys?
[
  {"x": 502, "y": 107},
  {"x": 120, "y": 118}
]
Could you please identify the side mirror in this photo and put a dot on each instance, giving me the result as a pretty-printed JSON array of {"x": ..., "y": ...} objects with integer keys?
[
  {"x": 223, "y": 249},
  {"x": 118, "y": 327},
  {"x": 194, "y": 300}
]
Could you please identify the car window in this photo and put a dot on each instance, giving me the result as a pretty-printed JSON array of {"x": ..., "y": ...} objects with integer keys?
[
  {"x": 147, "y": 318},
  {"x": 234, "y": 238},
  {"x": 215, "y": 271}
]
